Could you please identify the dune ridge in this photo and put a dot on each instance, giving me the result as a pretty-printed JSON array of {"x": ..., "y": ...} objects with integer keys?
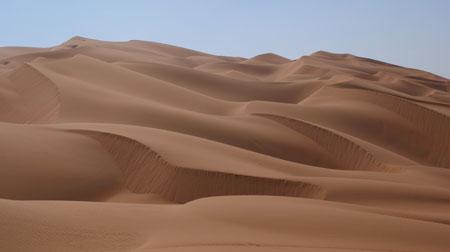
[
  {"x": 142, "y": 146},
  {"x": 36, "y": 99},
  {"x": 348, "y": 154},
  {"x": 430, "y": 122},
  {"x": 146, "y": 171}
]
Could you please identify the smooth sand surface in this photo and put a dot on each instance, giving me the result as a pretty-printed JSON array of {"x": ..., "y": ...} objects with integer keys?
[{"x": 119, "y": 146}]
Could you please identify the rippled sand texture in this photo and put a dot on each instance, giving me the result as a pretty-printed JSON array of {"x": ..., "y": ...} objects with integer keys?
[{"x": 118, "y": 146}]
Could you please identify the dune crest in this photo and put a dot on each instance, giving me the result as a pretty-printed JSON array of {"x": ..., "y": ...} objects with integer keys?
[
  {"x": 146, "y": 171},
  {"x": 143, "y": 146}
]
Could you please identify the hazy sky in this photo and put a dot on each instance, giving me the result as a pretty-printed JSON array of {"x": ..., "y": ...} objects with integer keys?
[{"x": 405, "y": 32}]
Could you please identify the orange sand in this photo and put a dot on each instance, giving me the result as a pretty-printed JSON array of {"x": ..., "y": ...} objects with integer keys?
[{"x": 118, "y": 146}]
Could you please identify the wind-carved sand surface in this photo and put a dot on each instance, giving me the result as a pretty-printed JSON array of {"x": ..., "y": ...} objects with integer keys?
[{"x": 119, "y": 146}]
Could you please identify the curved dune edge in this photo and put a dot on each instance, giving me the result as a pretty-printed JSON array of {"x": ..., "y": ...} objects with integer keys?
[
  {"x": 348, "y": 155},
  {"x": 145, "y": 171},
  {"x": 37, "y": 98},
  {"x": 432, "y": 124}
]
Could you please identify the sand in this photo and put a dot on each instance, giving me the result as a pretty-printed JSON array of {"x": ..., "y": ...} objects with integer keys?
[{"x": 142, "y": 146}]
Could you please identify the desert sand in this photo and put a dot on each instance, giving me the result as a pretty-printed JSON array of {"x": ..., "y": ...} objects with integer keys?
[{"x": 119, "y": 146}]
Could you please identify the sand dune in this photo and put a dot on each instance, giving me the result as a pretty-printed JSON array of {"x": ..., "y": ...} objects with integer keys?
[{"x": 118, "y": 146}]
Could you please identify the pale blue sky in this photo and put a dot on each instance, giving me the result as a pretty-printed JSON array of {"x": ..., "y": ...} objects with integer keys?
[{"x": 406, "y": 32}]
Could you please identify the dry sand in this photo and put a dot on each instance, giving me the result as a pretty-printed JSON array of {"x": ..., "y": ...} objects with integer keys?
[{"x": 118, "y": 146}]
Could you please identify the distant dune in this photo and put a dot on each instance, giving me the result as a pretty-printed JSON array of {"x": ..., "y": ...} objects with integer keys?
[{"x": 119, "y": 146}]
